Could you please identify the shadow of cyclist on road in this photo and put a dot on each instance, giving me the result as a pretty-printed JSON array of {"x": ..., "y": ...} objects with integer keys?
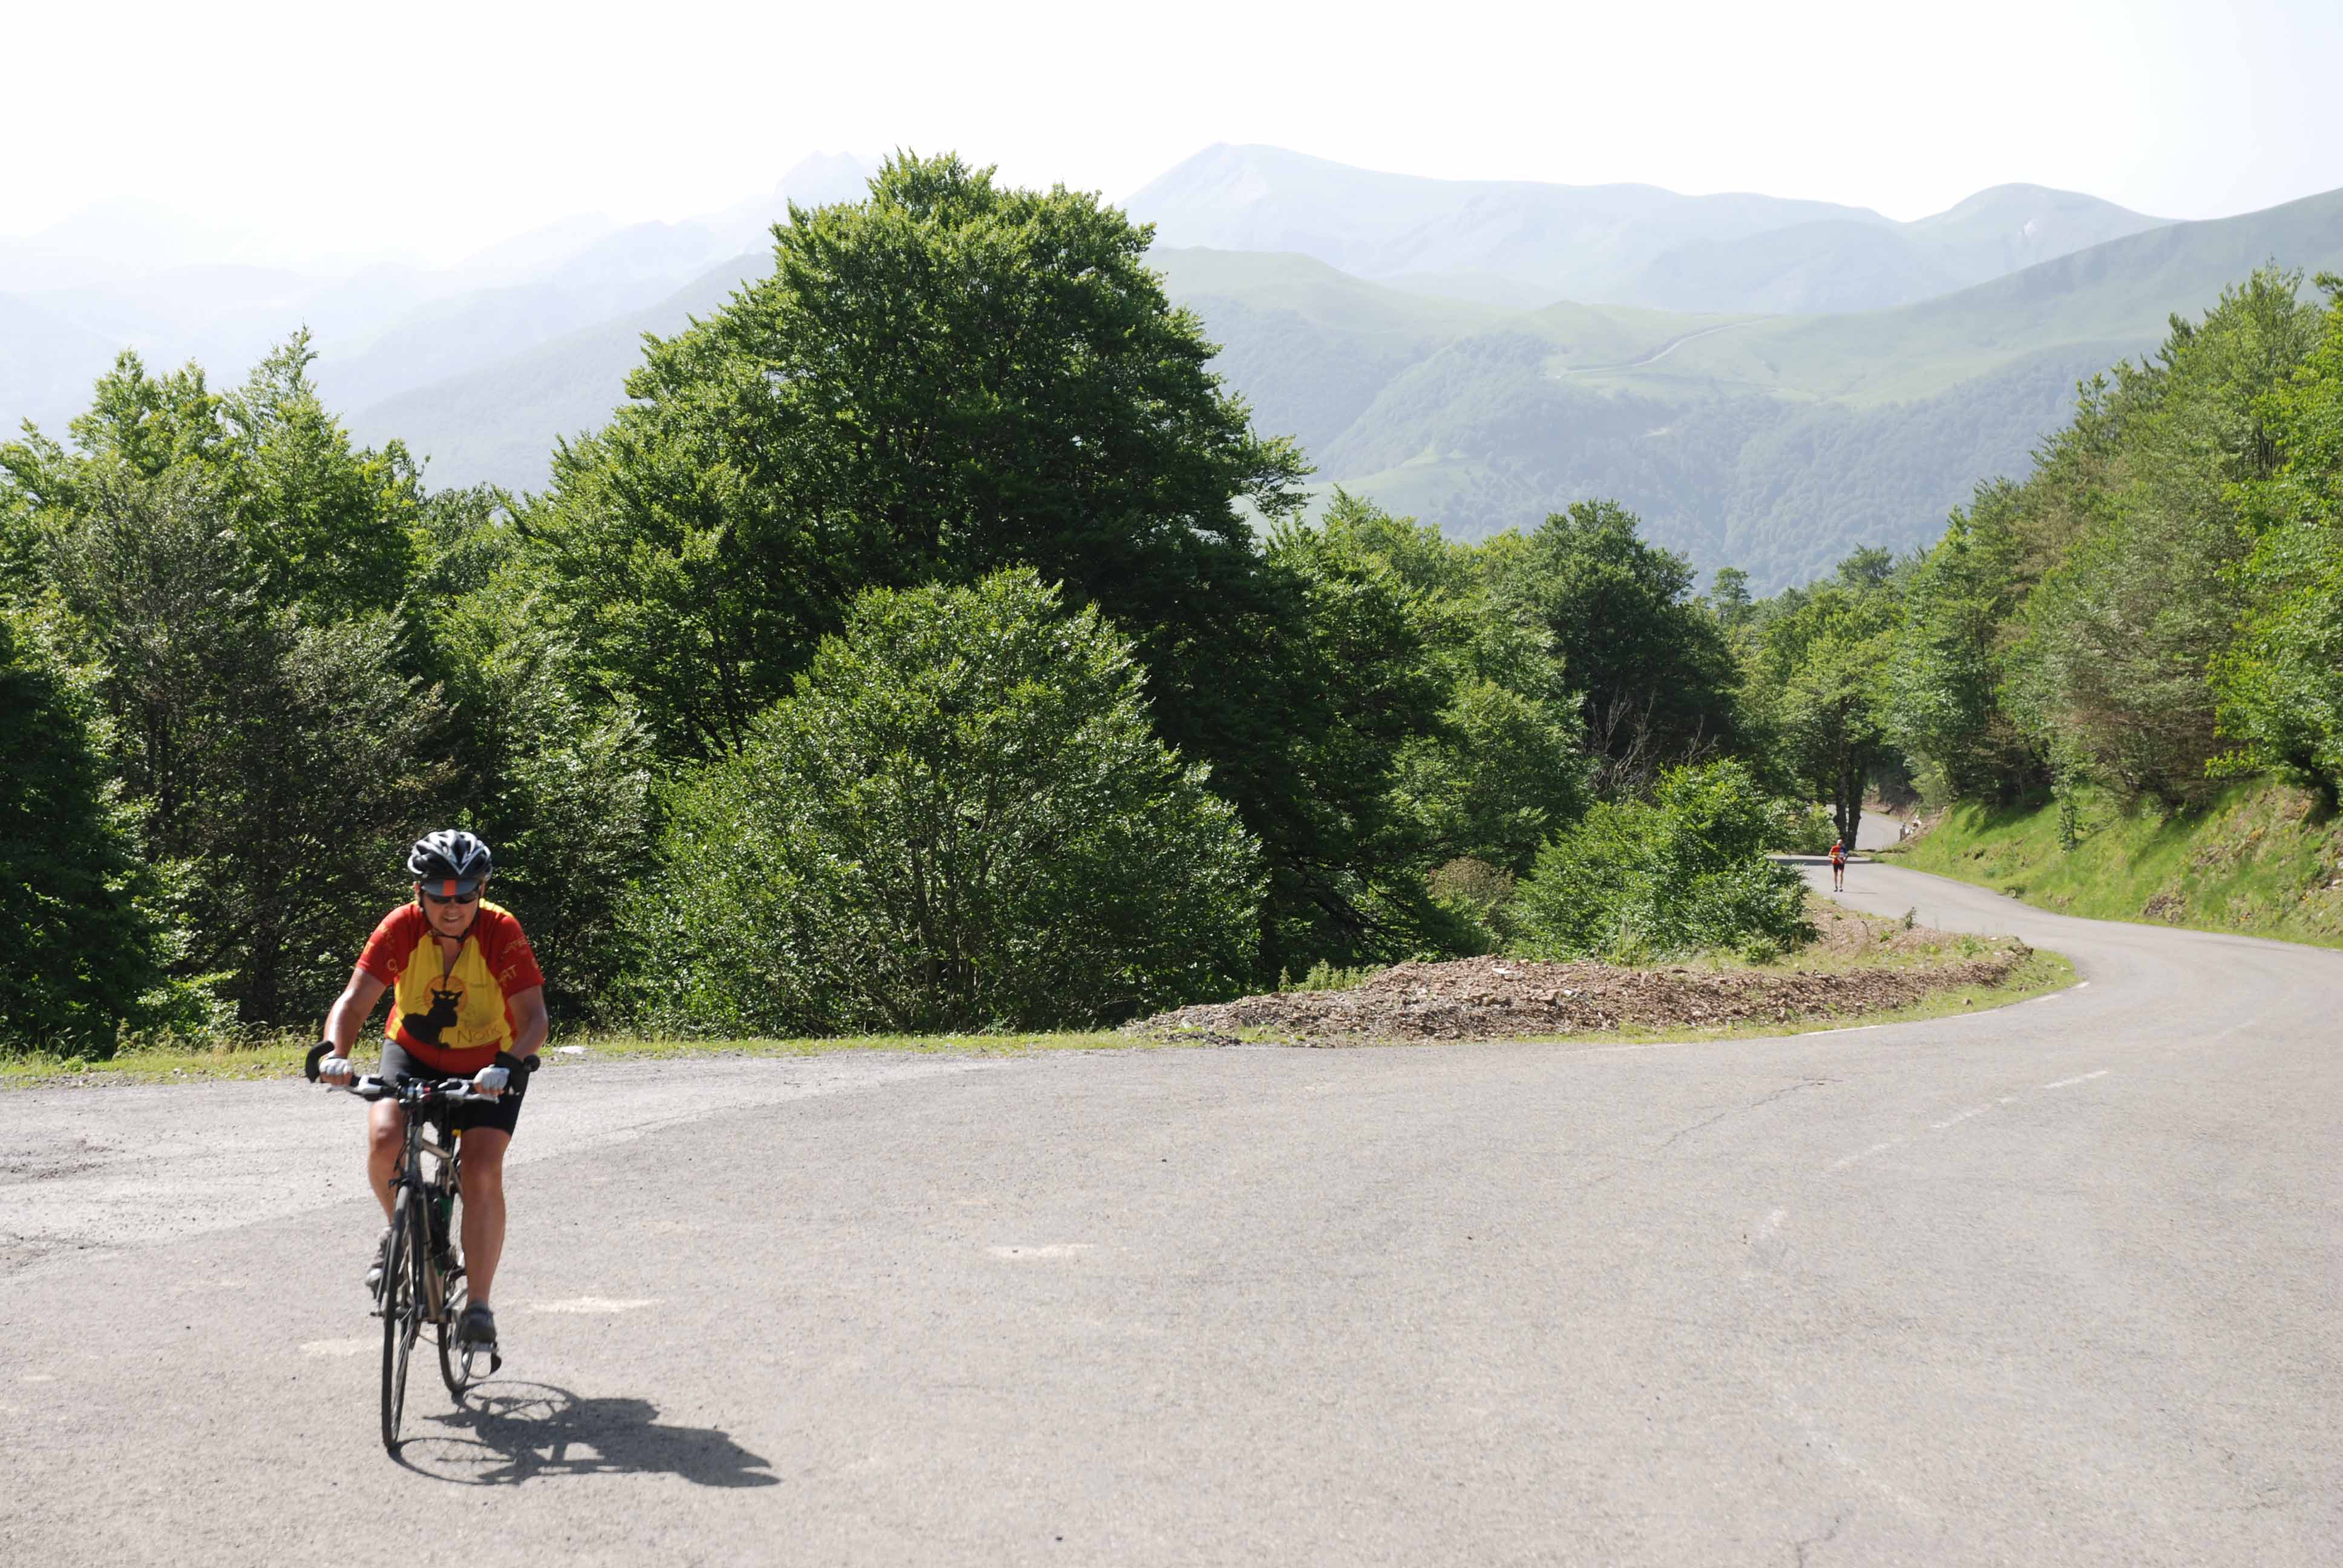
[{"x": 507, "y": 1433}]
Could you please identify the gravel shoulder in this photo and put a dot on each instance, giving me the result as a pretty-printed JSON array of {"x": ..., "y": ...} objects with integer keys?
[{"x": 1860, "y": 966}]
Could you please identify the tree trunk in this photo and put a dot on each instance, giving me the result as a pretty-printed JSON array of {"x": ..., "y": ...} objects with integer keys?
[{"x": 1847, "y": 809}]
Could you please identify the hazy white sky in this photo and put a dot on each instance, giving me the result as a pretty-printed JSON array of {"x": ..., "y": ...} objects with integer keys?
[{"x": 437, "y": 126}]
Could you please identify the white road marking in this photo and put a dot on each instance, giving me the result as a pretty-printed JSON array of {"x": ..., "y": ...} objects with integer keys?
[
  {"x": 1955, "y": 1120},
  {"x": 1829, "y": 1443},
  {"x": 1052, "y": 1249},
  {"x": 596, "y": 1304},
  {"x": 2070, "y": 1082},
  {"x": 1765, "y": 1233},
  {"x": 336, "y": 1347},
  {"x": 38, "y": 1377},
  {"x": 1875, "y": 1149}
]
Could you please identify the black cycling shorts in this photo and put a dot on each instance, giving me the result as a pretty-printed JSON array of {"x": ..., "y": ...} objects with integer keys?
[{"x": 501, "y": 1116}]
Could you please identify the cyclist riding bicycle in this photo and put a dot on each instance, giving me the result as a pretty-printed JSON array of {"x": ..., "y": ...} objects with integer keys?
[{"x": 467, "y": 1003}]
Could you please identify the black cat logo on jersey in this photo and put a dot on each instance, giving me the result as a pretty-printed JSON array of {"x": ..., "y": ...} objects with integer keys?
[{"x": 447, "y": 1002}]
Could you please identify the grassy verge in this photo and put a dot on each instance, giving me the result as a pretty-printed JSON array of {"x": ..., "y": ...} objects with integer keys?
[
  {"x": 2258, "y": 859},
  {"x": 282, "y": 1058},
  {"x": 1848, "y": 943}
]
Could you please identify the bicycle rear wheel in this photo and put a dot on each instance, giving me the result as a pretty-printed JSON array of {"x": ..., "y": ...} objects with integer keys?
[{"x": 402, "y": 1308}]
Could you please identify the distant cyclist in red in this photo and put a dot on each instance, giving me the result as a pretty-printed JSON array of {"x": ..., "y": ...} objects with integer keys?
[
  {"x": 1838, "y": 866},
  {"x": 469, "y": 1002}
]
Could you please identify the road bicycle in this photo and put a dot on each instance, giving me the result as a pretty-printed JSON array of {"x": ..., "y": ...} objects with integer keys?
[{"x": 422, "y": 1274}]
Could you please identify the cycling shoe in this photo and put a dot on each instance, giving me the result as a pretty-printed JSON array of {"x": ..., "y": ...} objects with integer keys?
[
  {"x": 476, "y": 1329},
  {"x": 381, "y": 1260}
]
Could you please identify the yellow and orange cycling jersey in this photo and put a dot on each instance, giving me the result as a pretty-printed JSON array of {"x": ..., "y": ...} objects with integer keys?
[{"x": 451, "y": 1017}]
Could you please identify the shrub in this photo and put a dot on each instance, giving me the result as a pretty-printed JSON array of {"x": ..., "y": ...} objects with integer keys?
[
  {"x": 1798, "y": 828},
  {"x": 1684, "y": 873},
  {"x": 1480, "y": 896},
  {"x": 961, "y": 818}
]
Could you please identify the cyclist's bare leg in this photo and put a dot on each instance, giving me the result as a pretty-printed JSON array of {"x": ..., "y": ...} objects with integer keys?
[
  {"x": 385, "y": 1141},
  {"x": 483, "y": 1183}
]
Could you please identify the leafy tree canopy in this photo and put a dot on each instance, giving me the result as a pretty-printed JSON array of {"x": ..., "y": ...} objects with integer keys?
[
  {"x": 961, "y": 818},
  {"x": 941, "y": 381},
  {"x": 1654, "y": 672}
]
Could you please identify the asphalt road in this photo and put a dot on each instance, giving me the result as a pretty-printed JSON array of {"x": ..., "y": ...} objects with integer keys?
[{"x": 2058, "y": 1283}]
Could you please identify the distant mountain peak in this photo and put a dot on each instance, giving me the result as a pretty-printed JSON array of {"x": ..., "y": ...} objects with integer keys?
[
  {"x": 1580, "y": 242},
  {"x": 1736, "y": 252},
  {"x": 817, "y": 179},
  {"x": 2023, "y": 200}
]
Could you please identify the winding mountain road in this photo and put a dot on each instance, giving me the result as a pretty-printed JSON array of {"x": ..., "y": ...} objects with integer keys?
[
  {"x": 1663, "y": 351},
  {"x": 2057, "y": 1283}
]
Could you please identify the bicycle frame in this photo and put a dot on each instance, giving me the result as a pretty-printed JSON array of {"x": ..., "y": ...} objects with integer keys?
[
  {"x": 446, "y": 1178},
  {"x": 420, "y": 1279}
]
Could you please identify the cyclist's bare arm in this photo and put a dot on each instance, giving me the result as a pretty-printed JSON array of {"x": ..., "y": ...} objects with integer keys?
[
  {"x": 528, "y": 1019},
  {"x": 348, "y": 1013}
]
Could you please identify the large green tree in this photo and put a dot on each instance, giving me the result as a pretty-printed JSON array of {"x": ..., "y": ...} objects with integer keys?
[
  {"x": 306, "y": 660},
  {"x": 275, "y": 761},
  {"x": 553, "y": 769},
  {"x": 1497, "y": 760},
  {"x": 1944, "y": 667},
  {"x": 961, "y": 818},
  {"x": 1654, "y": 673},
  {"x": 953, "y": 377},
  {"x": 948, "y": 378},
  {"x": 81, "y": 955},
  {"x": 1821, "y": 679}
]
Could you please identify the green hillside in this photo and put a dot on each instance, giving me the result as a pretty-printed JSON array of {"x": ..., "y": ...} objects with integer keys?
[
  {"x": 2256, "y": 857},
  {"x": 1773, "y": 443},
  {"x": 1480, "y": 441},
  {"x": 2123, "y": 292}
]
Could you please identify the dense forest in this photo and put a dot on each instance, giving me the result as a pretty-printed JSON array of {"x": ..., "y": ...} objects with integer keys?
[
  {"x": 2160, "y": 605},
  {"x": 932, "y": 641}
]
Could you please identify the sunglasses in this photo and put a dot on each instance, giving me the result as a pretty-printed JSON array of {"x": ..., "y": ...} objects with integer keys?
[{"x": 459, "y": 899}]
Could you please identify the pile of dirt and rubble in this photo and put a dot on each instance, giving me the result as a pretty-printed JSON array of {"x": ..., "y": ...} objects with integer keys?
[{"x": 1858, "y": 967}]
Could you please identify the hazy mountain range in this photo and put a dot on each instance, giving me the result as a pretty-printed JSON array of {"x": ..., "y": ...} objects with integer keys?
[
  {"x": 1516, "y": 243},
  {"x": 136, "y": 275},
  {"x": 1768, "y": 382}
]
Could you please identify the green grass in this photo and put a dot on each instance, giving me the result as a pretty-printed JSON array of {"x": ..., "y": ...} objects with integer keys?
[
  {"x": 282, "y": 1058},
  {"x": 2258, "y": 859},
  {"x": 1851, "y": 942}
]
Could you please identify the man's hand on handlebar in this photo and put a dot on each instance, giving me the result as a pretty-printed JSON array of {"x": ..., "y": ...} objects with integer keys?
[
  {"x": 497, "y": 1077},
  {"x": 328, "y": 1065}
]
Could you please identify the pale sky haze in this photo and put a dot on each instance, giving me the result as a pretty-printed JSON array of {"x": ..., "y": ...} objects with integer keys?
[{"x": 435, "y": 128}]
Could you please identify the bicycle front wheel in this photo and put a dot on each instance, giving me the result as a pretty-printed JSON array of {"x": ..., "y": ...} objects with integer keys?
[{"x": 402, "y": 1308}]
